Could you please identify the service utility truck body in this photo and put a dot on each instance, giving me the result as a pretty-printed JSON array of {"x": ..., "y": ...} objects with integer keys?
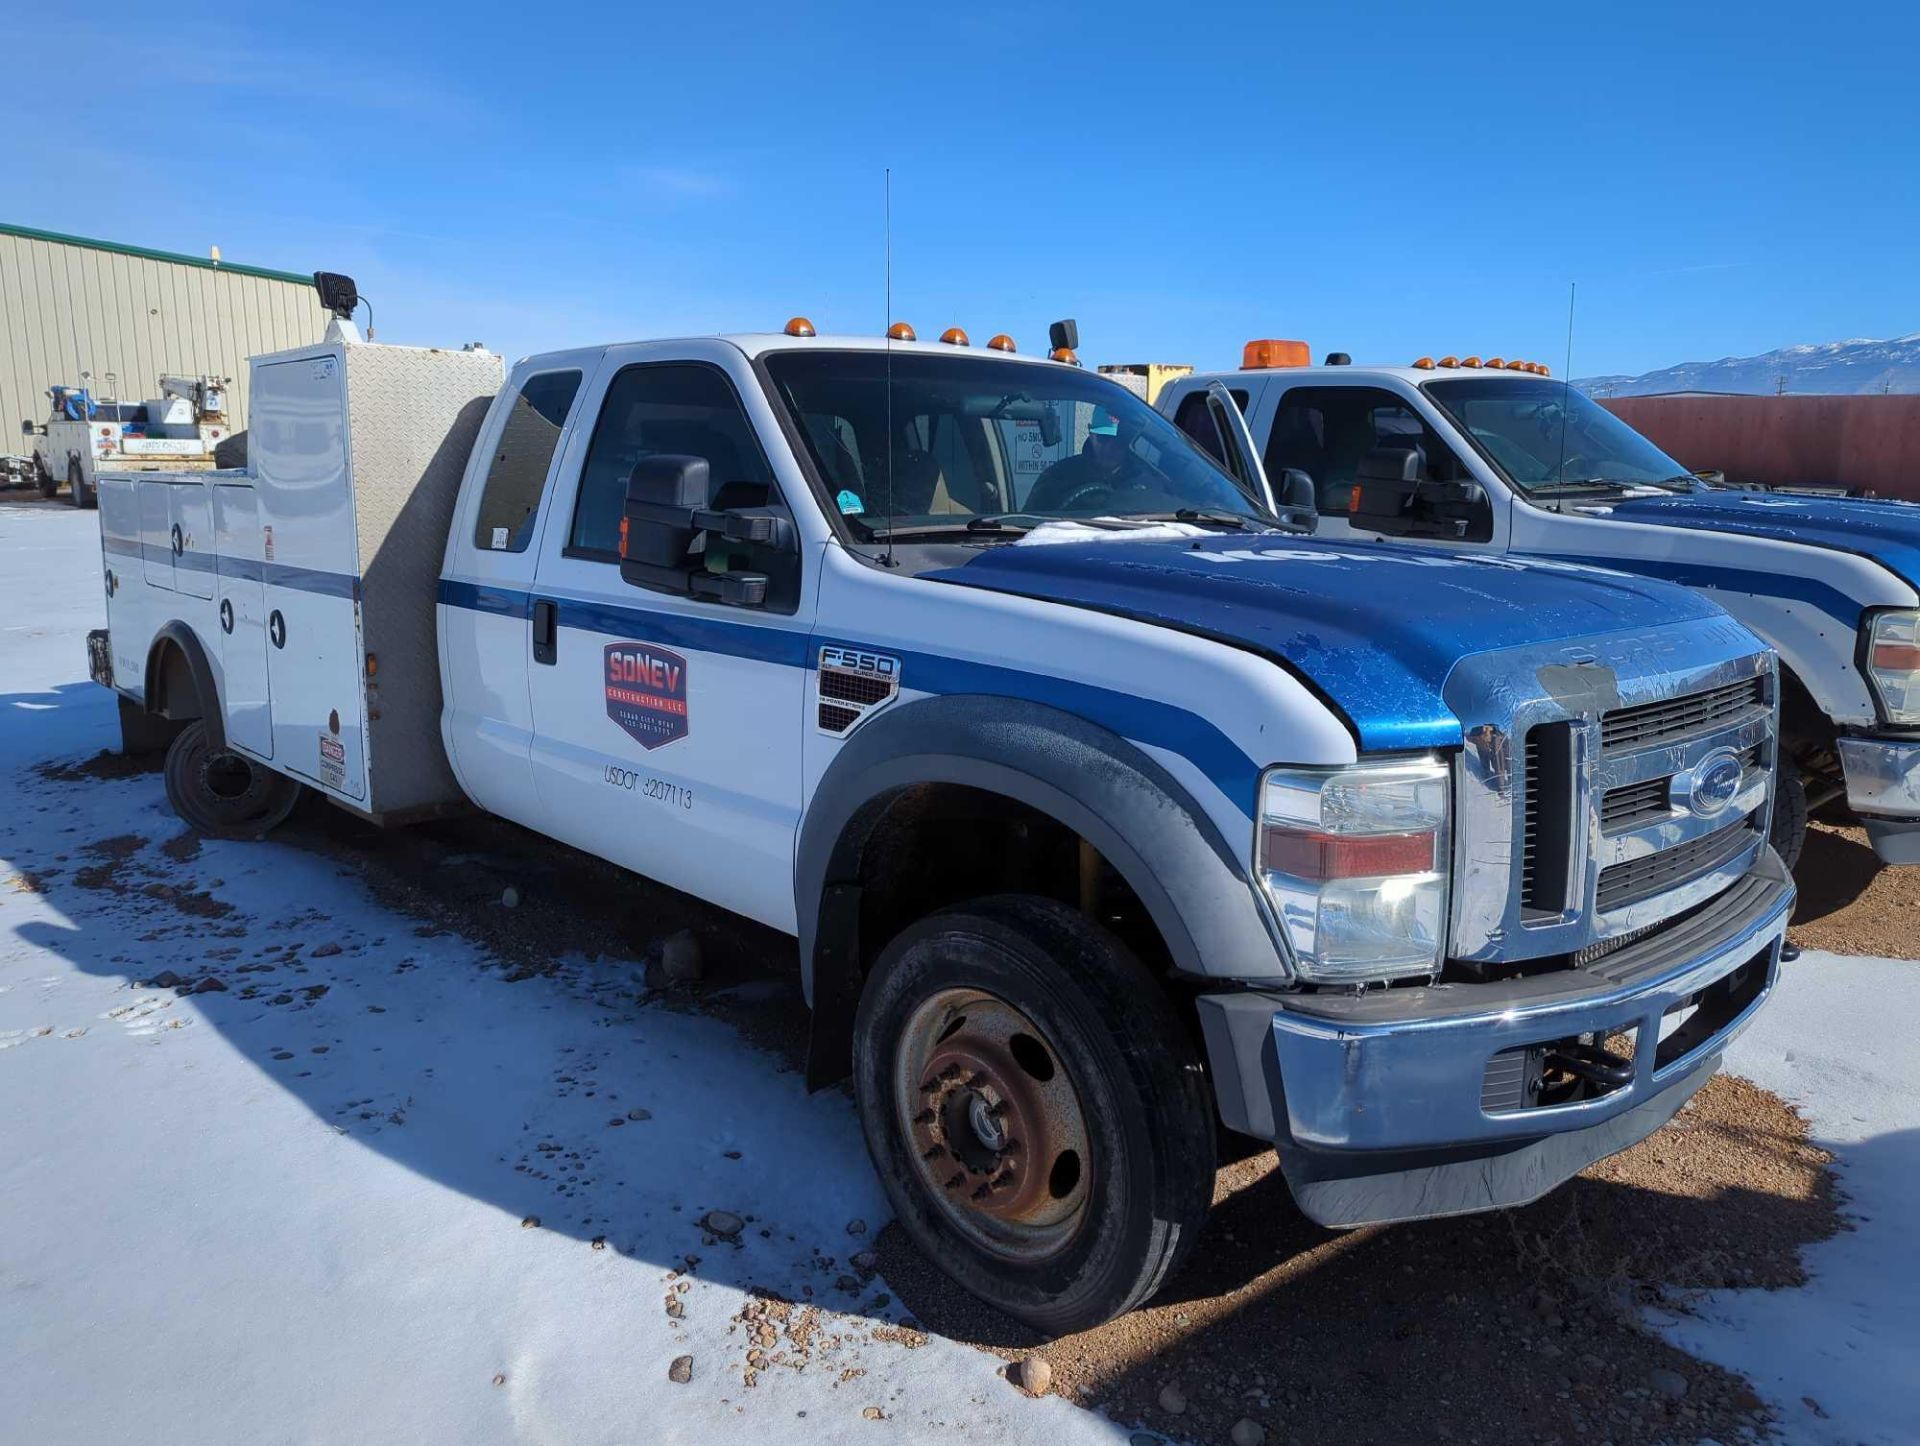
[
  {"x": 1103, "y": 814},
  {"x": 180, "y": 429},
  {"x": 1493, "y": 458}
]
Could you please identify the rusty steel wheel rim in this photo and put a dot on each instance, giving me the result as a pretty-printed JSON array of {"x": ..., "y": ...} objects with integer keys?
[{"x": 994, "y": 1125}]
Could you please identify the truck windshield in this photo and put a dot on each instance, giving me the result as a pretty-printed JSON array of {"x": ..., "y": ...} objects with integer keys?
[
  {"x": 985, "y": 445},
  {"x": 1544, "y": 435}
]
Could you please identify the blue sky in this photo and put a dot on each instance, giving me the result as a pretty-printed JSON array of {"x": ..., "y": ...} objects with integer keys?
[{"x": 1382, "y": 179}]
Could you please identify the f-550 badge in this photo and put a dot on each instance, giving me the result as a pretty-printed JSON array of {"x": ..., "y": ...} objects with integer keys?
[
  {"x": 853, "y": 683},
  {"x": 647, "y": 692}
]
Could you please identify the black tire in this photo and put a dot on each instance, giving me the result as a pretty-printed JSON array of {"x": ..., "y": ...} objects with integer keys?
[
  {"x": 222, "y": 793},
  {"x": 1789, "y": 814},
  {"x": 231, "y": 450},
  {"x": 1124, "y": 1057},
  {"x": 80, "y": 494},
  {"x": 48, "y": 483}
]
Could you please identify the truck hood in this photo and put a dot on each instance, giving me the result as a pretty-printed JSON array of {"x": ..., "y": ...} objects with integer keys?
[
  {"x": 1885, "y": 531},
  {"x": 1373, "y": 629}
]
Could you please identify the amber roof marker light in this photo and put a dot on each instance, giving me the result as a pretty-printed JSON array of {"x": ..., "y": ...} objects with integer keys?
[
  {"x": 1266, "y": 352},
  {"x": 1001, "y": 342},
  {"x": 1425, "y": 364},
  {"x": 954, "y": 336},
  {"x": 798, "y": 326},
  {"x": 900, "y": 331}
]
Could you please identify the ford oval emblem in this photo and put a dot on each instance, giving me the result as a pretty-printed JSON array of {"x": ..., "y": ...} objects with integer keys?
[{"x": 1712, "y": 783}]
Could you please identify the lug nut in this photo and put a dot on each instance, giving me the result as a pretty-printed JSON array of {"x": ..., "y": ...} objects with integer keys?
[
  {"x": 933, "y": 1152},
  {"x": 959, "y": 1179}
]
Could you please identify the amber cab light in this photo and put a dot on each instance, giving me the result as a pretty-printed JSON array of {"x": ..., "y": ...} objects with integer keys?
[
  {"x": 1273, "y": 352},
  {"x": 1469, "y": 361},
  {"x": 1449, "y": 361},
  {"x": 799, "y": 326},
  {"x": 1425, "y": 364},
  {"x": 1064, "y": 354},
  {"x": 1001, "y": 342},
  {"x": 900, "y": 331},
  {"x": 954, "y": 336}
]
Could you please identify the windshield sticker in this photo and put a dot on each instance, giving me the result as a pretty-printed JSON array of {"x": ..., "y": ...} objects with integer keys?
[
  {"x": 850, "y": 502},
  {"x": 647, "y": 692}
]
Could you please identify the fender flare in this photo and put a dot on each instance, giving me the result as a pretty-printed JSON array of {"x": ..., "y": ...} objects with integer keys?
[
  {"x": 1196, "y": 887},
  {"x": 206, "y": 691}
]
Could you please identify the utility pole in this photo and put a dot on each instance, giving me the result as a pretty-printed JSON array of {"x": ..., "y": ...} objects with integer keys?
[{"x": 1780, "y": 385}]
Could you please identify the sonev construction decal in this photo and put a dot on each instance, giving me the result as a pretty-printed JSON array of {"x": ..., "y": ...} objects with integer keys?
[{"x": 647, "y": 692}]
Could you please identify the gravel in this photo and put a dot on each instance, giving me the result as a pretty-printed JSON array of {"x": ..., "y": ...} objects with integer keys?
[
  {"x": 1521, "y": 1325},
  {"x": 1849, "y": 902}
]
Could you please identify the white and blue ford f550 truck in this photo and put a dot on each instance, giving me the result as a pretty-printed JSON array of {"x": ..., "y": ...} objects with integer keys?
[
  {"x": 1104, "y": 816},
  {"x": 1486, "y": 456}
]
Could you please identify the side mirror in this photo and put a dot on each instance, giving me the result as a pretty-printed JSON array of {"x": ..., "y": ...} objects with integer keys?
[
  {"x": 1392, "y": 495},
  {"x": 666, "y": 512},
  {"x": 26, "y": 429},
  {"x": 1294, "y": 491}
]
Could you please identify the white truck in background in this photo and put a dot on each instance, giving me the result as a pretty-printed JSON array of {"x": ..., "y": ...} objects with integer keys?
[
  {"x": 180, "y": 428},
  {"x": 1488, "y": 456},
  {"x": 1106, "y": 807}
]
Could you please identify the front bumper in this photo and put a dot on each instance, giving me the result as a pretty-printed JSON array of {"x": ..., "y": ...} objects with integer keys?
[
  {"x": 1403, "y": 1103},
  {"x": 1883, "y": 787}
]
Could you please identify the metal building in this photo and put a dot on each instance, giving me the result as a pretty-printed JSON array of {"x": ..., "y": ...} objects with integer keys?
[{"x": 114, "y": 319}]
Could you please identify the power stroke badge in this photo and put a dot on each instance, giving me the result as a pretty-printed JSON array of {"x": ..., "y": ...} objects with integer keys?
[{"x": 647, "y": 692}]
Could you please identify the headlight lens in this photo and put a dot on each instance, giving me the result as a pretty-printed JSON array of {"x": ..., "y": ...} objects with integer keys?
[
  {"x": 1893, "y": 662},
  {"x": 1355, "y": 860}
]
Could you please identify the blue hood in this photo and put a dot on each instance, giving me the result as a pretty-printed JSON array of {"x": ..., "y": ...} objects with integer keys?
[
  {"x": 1375, "y": 629},
  {"x": 1887, "y": 532}
]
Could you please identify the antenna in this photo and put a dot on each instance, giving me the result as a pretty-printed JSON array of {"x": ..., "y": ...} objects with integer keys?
[
  {"x": 886, "y": 329},
  {"x": 1566, "y": 384}
]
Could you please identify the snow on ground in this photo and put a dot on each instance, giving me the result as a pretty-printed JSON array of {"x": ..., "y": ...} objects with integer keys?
[
  {"x": 1841, "y": 1357},
  {"x": 292, "y": 1210},
  {"x": 297, "y": 1216}
]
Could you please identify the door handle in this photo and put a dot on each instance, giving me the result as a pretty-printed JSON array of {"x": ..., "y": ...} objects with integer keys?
[
  {"x": 179, "y": 545},
  {"x": 226, "y": 615},
  {"x": 277, "y": 628},
  {"x": 546, "y": 630}
]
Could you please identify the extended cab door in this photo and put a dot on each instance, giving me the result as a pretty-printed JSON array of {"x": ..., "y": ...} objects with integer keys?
[
  {"x": 486, "y": 583},
  {"x": 667, "y": 727},
  {"x": 1326, "y": 430}
]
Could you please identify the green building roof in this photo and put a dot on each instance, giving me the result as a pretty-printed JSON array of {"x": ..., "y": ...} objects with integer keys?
[{"x": 7, "y": 229}]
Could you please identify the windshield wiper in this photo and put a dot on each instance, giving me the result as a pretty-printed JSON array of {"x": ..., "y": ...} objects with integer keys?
[{"x": 1011, "y": 523}]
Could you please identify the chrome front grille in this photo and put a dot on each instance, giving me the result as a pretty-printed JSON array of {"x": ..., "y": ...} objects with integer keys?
[
  {"x": 1594, "y": 796},
  {"x": 1635, "y": 879},
  {"x": 1646, "y": 724}
]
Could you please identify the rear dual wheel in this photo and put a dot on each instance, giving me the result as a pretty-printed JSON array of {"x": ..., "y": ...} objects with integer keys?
[
  {"x": 1035, "y": 1108},
  {"x": 222, "y": 793}
]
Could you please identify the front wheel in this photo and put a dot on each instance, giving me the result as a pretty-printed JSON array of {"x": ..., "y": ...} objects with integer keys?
[
  {"x": 48, "y": 484},
  {"x": 222, "y": 793},
  {"x": 1035, "y": 1109}
]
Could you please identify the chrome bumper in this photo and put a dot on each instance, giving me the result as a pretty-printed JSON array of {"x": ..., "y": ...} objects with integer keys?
[
  {"x": 1377, "y": 1101},
  {"x": 1883, "y": 787}
]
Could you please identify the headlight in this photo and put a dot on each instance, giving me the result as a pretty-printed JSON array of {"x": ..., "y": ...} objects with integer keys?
[
  {"x": 1893, "y": 662},
  {"x": 1355, "y": 861}
]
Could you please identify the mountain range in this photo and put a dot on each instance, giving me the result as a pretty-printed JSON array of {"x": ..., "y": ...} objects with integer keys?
[{"x": 1846, "y": 368}]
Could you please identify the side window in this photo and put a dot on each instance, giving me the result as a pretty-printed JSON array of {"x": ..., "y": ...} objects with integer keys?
[
  {"x": 673, "y": 407},
  {"x": 1194, "y": 417},
  {"x": 517, "y": 476},
  {"x": 1325, "y": 431},
  {"x": 691, "y": 410}
]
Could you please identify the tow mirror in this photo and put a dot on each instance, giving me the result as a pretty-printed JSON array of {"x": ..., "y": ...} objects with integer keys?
[
  {"x": 667, "y": 514},
  {"x": 1392, "y": 495},
  {"x": 26, "y": 429},
  {"x": 1295, "y": 492}
]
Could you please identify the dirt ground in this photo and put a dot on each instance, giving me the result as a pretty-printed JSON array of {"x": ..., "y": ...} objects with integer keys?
[
  {"x": 1849, "y": 902},
  {"x": 1518, "y": 1325}
]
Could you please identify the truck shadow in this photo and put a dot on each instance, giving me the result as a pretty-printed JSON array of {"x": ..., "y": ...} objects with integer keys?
[{"x": 533, "y": 1058}]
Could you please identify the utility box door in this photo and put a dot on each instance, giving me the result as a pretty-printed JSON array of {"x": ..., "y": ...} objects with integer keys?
[
  {"x": 156, "y": 533},
  {"x": 192, "y": 538},
  {"x": 310, "y": 565},
  {"x": 243, "y": 620}
]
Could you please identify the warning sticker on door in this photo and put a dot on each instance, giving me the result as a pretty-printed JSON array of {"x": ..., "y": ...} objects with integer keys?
[
  {"x": 647, "y": 692},
  {"x": 333, "y": 762}
]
